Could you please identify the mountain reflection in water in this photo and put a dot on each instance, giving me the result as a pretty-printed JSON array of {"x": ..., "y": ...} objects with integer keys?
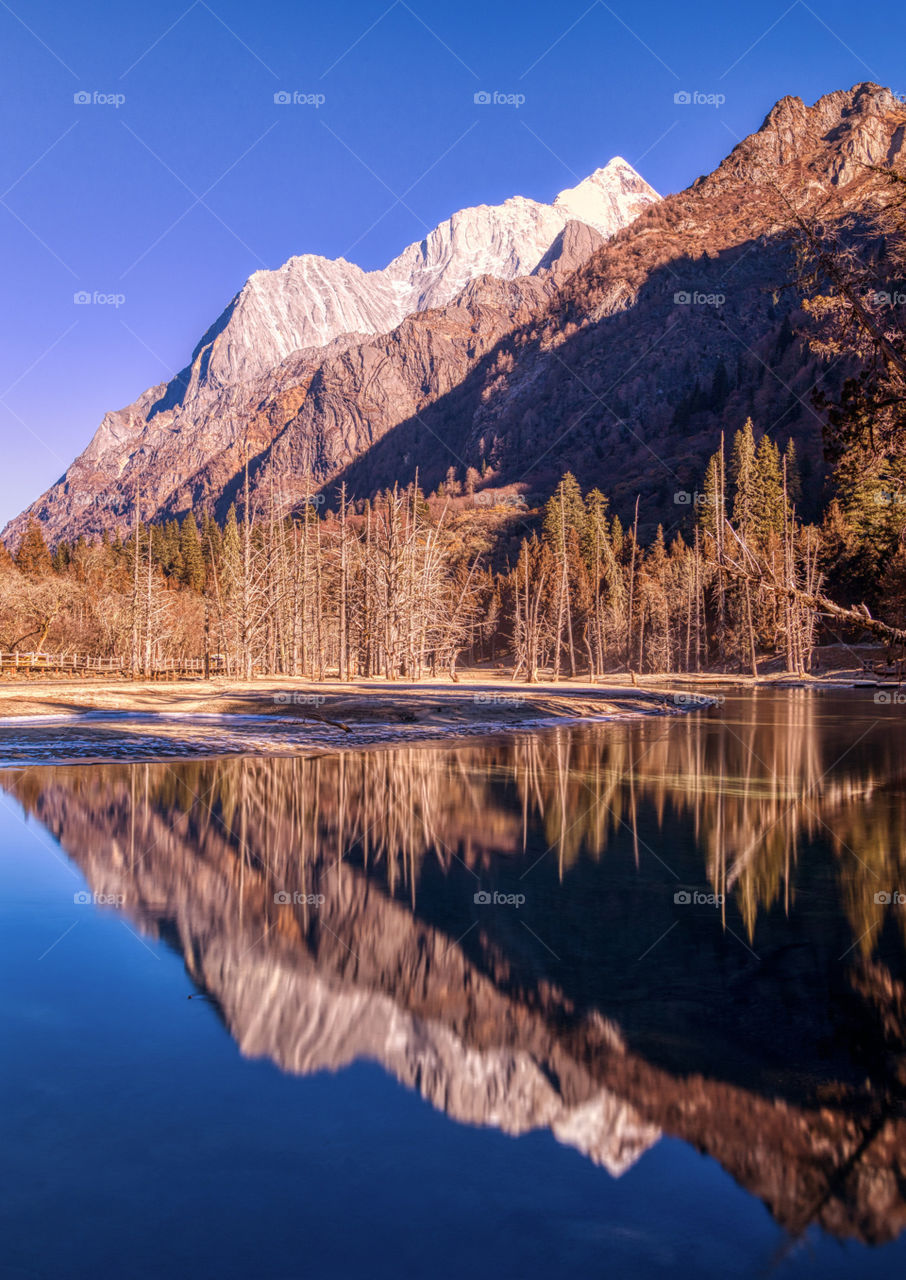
[{"x": 615, "y": 932}]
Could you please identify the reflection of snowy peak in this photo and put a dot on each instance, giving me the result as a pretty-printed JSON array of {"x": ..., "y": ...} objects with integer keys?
[
  {"x": 411, "y": 1001},
  {"x": 305, "y": 1024}
]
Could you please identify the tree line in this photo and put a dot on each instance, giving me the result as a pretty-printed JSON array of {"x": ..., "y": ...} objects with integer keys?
[{"x": 405, "y": 585}]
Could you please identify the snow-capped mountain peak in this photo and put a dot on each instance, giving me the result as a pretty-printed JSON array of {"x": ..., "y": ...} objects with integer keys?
[
  {"x": 311, "y": 300},
  {"x": 607, "y": 199},
  {"x": 174, "y": 431}
]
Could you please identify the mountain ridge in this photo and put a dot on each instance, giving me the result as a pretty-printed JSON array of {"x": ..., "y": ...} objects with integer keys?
[
  {"x": 621, "y": 357},
  {"x": 599, "y": 361},
  {"x": 304, "y": 305}
]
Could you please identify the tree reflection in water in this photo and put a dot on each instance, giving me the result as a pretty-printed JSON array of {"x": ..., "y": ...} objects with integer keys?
[{"x": 767, "y": 1028}]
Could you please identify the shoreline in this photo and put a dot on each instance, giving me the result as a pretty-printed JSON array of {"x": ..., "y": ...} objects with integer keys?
[
  {"x": 62, "y": 696},
  {"x": 471, "y": 699},
  {"x": 71, "y": 722},
  {"x": 57, "y": 722}
]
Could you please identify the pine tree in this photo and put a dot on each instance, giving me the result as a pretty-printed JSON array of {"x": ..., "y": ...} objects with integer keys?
[
  {"x": 767, "y": 491},
  {"x": 231, "y": 540},
  {"x": 211, "y": 541},
  {"x": 742, "y": 473},
  {"x": 565, "y": 509},
  {"x": 617, "y": 537},
  {"x": 192, "y": 561},
  {"x": 33, "y": 556},
  {"x": 709, "y": 513},
  {"x": 62, "y": 557},
  {"x": 565, "y": 522},
  {"x": 595, "y": 525},
  {"x": 793, "y": 477},
  {"x": 166, "y": 547}
]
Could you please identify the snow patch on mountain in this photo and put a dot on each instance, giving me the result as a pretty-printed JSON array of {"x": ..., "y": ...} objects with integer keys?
[
  {"x": 608, "y": 199},
  {"x": 176, "y": 429},
  {"x": 311, "y": 300}
]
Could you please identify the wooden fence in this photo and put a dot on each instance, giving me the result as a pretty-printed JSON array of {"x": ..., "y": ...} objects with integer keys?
[{"x": 86, "y": 664}]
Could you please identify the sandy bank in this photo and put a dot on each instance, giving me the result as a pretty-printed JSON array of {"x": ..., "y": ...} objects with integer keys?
[{"x": 440, "y": 703}]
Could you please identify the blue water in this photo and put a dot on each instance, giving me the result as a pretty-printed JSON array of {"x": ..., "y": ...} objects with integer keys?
[{"x": 137, "y": 1141}]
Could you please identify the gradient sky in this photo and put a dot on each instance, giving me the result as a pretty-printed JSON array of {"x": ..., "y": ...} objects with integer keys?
[{"x": 174, "y": 196}]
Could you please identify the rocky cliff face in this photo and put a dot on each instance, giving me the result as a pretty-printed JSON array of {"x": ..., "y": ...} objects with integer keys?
[
  {"x": 675, "y": 330},
  {"x": 264, "y": 343}
]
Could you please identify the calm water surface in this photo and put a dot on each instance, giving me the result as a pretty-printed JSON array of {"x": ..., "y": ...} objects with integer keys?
[{"x": 616, "y": 1000}]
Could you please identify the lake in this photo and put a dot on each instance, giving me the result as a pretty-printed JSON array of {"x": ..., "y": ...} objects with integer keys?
[{"x": 623, "y": 999}]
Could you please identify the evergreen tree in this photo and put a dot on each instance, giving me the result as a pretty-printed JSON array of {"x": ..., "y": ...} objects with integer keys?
[
  {"x": 564, "y": 509},
  {"x": 617, "y": 537},
  {"x": 709, "y": 513},
  {"x": 232, "y": 551},
  {"x": 767, "y": 491},
  {"x": 62, "y": 557},
  {"x": 742, "y": 473},
  {"x": 212, "y": 541},
  {"x": 33, "y": 556},
  {"x": 595, "y": 526},
  {"x": 192, "y": 561},
  {"x": 793, "y": 477},
  {"x": 165, "y": 545}
]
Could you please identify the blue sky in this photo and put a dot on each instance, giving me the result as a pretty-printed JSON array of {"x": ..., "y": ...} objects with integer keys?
[{"x": 181, "y": 175}]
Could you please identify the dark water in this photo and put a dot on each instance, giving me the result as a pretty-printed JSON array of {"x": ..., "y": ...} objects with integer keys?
[{"x": 623, "y": 1000}]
